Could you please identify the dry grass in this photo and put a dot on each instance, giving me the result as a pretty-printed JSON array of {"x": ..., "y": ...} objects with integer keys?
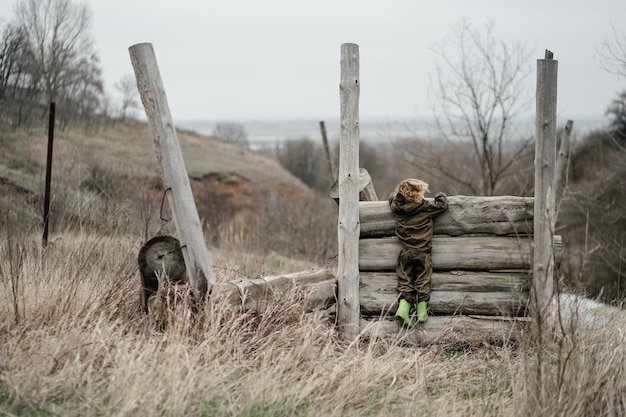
[{"x": 73, "y": 341}]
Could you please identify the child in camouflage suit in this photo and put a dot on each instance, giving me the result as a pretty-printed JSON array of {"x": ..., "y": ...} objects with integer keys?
[{"x": 414, "y": 229}]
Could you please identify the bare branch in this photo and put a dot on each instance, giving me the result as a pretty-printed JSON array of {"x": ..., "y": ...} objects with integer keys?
[{"x": 478, "y": 96}]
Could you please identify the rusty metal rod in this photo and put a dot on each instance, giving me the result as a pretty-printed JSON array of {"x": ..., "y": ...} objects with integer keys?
[{"x": 46, "y": 199}]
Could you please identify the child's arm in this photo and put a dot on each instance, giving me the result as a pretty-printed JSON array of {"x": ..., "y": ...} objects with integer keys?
[{"x": 439, "y": 205}]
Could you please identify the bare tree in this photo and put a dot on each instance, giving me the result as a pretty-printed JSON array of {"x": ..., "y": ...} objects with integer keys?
[
  {"x": 232, "y": 133},
  {"x": 127, "y": 87},
  {"x": 612, "y": 54},
  {"x": 17, "y": 87},
  {"x": 480, "y": 90},
  {"x": 62, "y": 62},
  {"x": 10, "y": 64}
]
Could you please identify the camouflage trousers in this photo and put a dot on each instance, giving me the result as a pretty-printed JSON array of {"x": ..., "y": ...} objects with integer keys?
[{"x": 414, "y": 271}]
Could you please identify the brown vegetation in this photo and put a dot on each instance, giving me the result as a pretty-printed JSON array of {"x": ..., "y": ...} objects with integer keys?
[
  {"x": 592, "y": 217},
  {"x": 74, "y": 339}
]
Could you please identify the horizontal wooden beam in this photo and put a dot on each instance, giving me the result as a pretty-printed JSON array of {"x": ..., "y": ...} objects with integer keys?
[
  {"x": 501, "y": 215},
  {"x": 319, "y": 286},
  {"x": 463, "y": 281},
  {"x": 497, "y": 294},
  {"x": 482, "y": 253},
  {"x": 448, "y": 329}
]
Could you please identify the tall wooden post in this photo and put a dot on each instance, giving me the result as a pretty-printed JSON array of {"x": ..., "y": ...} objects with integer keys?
[
  {"x": 545, "y": 184},
  {"x": 170, "y": 156},
  {"x": 348, "y": 308}
]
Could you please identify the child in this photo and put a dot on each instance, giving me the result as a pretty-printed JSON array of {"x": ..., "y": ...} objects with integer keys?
[{"x": 414, "y": 228}]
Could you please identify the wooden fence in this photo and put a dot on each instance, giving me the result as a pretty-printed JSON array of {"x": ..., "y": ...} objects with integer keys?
[
  {"x": 493, "y": 257},
  {"x": 482, "y": 262}
]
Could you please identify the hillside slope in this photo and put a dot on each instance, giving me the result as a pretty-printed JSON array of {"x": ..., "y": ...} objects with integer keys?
[{"x": 117, "y": 161}]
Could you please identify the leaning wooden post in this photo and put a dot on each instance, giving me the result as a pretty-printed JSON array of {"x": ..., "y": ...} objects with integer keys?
[
  {"x": 562, "y": 156},
  {"x": 331, "y": 169},
  {"x": 170, "y": 156},
  {"x": 348, "y": 309},
  {"x": 545, "y": 195}
]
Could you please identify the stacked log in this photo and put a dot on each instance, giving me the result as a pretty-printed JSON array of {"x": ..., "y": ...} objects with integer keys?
[{"x": 482, "y": 263}]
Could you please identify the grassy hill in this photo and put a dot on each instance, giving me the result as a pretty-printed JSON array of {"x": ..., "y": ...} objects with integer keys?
[
  {"x": 108, "y": 180},
  {"x": 125, "y": 148}
]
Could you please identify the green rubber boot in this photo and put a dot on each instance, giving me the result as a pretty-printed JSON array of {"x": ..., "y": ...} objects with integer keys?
[
  {"x": 402, "y": 313},
  {"x": 422, "y": 315}
]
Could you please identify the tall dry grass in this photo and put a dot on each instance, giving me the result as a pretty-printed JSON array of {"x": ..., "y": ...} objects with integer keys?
[{"x": 74, "y": 342}]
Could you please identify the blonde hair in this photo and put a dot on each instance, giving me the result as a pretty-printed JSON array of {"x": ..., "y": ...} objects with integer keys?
[{"x": 412, "y": 189}]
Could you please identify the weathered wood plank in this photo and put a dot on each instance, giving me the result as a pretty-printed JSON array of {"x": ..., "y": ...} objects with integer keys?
[
  {"x": 501, "y": 303},
  {"x": 319, "y": 287},
  {"x": 501, "y": 215},
  {"x": 348, "y": 182},
  {"x": 463, "y": 281},
  {"x": 475, "y": 253},
  {"x": 447, "y": 329},
  {"x": 545, "y": 184},
  {"x": 367, "y": 192},
  {"x": 170, "y": 156}
]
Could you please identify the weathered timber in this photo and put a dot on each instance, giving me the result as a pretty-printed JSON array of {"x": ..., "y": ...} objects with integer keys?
[
  {"x": 464, "y": 292},
  {"x": 331, "y": 169},
  {"x": 510, "y": 304},
  {"x": 348, "y": 182},
  {"x": 475, "y": 253},
  {"x": 448, "y": 329},
  {"x": 545, "y": 183},
  {"x": 170, "y": 156},
  {"x": 366, "y": 188},
  {"x": 502, "y": 215},
  {"x": 563, "y": 156},
  {"x": 463, "y": 281},
  {"x": 319, "y": 287}
]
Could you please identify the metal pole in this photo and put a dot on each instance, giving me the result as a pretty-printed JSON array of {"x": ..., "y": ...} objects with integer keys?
[{"x": 46, "y": 199}]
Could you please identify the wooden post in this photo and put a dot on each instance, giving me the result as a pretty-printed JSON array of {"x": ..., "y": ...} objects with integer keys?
[
  {"x": 169, "y": 154},
  {"x": 545, "y": 201},
  {"x": 348, "y": 309},
  {"x": 331, "y": 169},
  {"x": 563, "y": 156}
]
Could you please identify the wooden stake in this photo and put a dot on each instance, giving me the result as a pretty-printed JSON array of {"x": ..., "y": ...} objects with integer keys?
[
  {"x": 545, "y": 185},
  {"x": 169, "y": 154},
  {"x": 348, "y": 309},
  {"x": 563, "y": 156},
  {"x": 331, "y": 169}
]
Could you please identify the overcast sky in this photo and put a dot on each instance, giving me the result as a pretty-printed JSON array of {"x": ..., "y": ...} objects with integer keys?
[{"x": 280, "y": 59}]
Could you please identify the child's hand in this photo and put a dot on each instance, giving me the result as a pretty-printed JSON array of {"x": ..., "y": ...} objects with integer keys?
[{"x": 441, "y": 199}]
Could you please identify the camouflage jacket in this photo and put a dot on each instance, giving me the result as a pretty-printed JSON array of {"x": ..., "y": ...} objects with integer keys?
[{"x": 414, "y": 223}]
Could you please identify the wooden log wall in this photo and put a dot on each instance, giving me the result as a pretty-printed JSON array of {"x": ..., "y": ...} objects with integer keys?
[{"x": 482, "y": 262}]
